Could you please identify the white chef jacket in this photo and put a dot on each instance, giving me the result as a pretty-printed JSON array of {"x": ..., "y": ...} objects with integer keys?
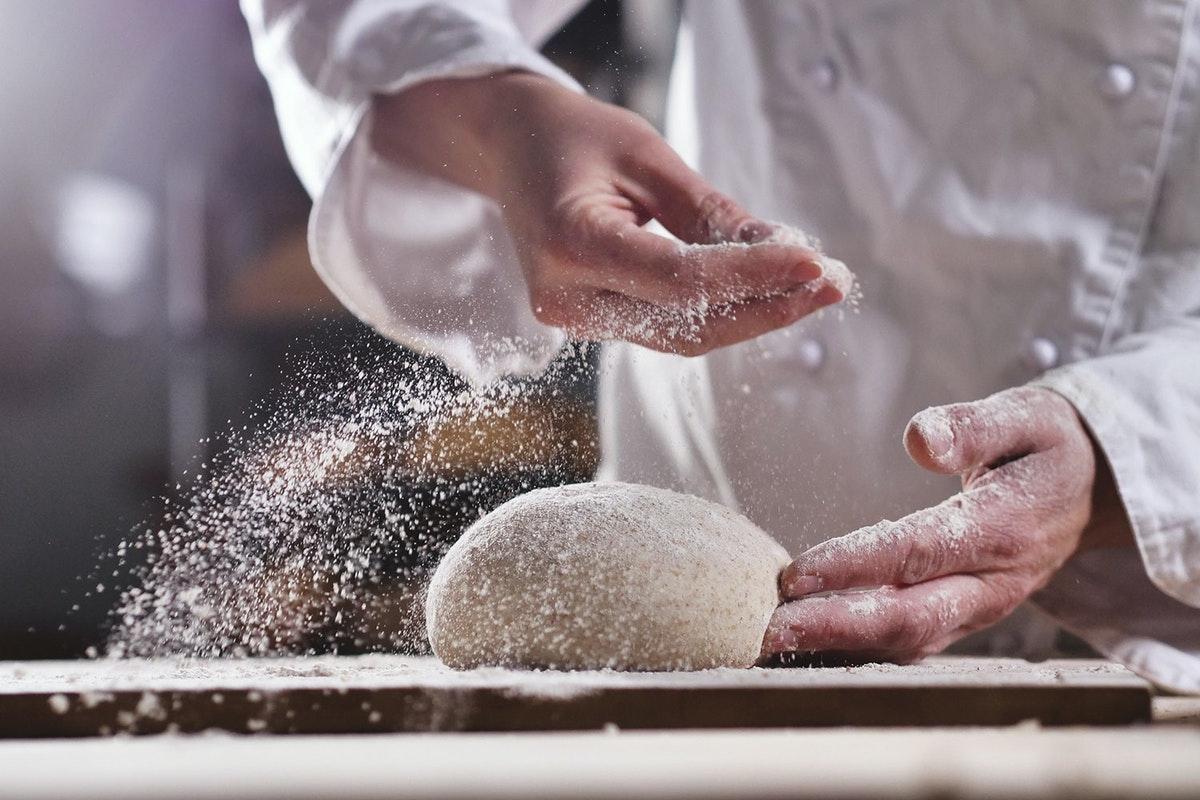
[{"x": 1016, "y": 184}]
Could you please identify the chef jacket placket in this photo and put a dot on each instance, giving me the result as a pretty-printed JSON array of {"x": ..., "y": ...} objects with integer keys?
[{"x": 1140, "y": 84}]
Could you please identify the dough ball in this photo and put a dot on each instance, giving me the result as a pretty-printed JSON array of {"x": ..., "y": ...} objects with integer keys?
[{"x": 605, "y": 575}]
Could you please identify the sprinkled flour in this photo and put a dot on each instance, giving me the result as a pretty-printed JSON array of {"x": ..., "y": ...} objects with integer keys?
[
  {"x": 616, "y": 320},
  {"x": 315, "y": 515},
  {"x": 279, "y": 538}
]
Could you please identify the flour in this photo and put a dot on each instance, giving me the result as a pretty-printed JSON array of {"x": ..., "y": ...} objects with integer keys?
[
  {"x": 150, "y": 706},
  {"x": 868, "y": 604},
  {"x": 279, "y": 539},
  {"x": 835, "y": 272},
  {"x": 319, "y": 503},
  {"x": 616, "y": 319}
]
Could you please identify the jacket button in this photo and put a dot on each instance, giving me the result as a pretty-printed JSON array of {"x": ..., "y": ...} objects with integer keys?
[
  {"x": 811, "y": 354},
  {"x": 824, "y": 75},
  {"x": 1042, "y": 353},
  {"x": 1119, "y": 81}
]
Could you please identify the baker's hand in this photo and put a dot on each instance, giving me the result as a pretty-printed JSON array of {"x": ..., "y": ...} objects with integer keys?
[
  {"x": 1029, "y": 474},
  {"x": 576, "y": 179}
]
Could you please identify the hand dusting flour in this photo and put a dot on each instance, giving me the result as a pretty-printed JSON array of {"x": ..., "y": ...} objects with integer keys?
[
  {"x": 606, "y": 576},
  {"x": 646, "y": 324},
  {"x": 315, "y": 516}
]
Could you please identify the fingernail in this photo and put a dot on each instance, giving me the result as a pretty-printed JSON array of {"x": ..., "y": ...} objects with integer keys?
[
  {"x": 808, "y": 276},
  {"x": 934, "y": 428},
  {"x": 802, "y": 585},
  {"x": 753, "y": 232},
  {"x": 777, "y": 641}
]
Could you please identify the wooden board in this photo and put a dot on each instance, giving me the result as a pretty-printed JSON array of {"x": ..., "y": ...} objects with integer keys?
[
  {"x": 1022, "y": 761},
  {"x": 396, "y": 694}
]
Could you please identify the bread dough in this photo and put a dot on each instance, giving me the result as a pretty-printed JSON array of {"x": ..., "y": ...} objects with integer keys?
[{"x": 605, "y": 575}]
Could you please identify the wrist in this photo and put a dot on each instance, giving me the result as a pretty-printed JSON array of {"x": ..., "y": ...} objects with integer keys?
[
  {"x": 458, "y": 129},
  {"x": 1108, "y": 524}
]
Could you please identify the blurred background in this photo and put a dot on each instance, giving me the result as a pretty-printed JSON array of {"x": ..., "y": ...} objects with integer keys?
[{"x": 156, "y": 288}]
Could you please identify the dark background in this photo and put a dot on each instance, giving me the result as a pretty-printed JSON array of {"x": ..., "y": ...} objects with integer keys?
[{"x": 155, "y": 281}]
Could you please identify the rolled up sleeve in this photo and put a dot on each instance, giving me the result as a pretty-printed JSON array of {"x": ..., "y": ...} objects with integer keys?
[
  {"x": 426, "y": 263},
  {"x": 1141, "y": 402}
]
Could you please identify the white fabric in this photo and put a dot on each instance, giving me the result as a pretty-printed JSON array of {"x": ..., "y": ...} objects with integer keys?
[
  {"x": 437, "y": 267},
  {"x": 1016, "y": 184}
]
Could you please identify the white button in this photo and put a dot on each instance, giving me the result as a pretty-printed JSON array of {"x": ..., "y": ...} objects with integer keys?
[
  {"x": 824, "y": 74},
  {"x": 811, "y": 354},
  {"x": 1119, "y": 80},
  {"x": 1043, "y": 353}
]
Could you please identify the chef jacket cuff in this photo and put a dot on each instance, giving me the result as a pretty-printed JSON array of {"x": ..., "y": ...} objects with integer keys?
[
  {"x": 1113, "y": 419},
  {"x": 1105, "y": 597},
  {"x": 427, "y": 263},
  {"x": 1137, "y": 608}
]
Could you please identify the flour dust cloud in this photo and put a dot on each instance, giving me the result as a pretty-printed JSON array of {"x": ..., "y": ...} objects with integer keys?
[{"x": 313, "y": 526}]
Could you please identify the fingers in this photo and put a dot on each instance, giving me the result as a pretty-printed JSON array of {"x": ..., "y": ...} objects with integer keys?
[
  {"x": 891, "y": 623},
  {"x": 626, "y": 259},
  {"x": 741, "y": 322},
  {"x": 690, "y": 208},
  {"x": 687, "y": 205},
  {"x": 958, "y": 438},
  {"x": 962, "y": 564},
  {"x": 600, "y": 275},
  {"x": 621, "y": 282},
  {"x": 996, "y": 526},
  {"x": 690, "y": 332},
  {"x": 926, "y": 544}
]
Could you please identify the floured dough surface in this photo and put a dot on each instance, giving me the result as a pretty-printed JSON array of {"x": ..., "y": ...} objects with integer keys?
[{"x": 605, "y": 575}]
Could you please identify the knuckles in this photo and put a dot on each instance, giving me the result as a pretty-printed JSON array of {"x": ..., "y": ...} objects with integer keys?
[
  {"x": 637, "y": 131},
  {"x": 1006, "y": 543},
  {"x": 1001, "y": 598},
  {"x": 718, "y": 217},
  {"x": 909, "y": 632},
  {"x": 923, "y": 560}
]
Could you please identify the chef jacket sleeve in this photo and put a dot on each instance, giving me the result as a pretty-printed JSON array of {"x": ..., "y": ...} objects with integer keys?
[
  {"x": 426, "y": 263},
  {"x": 1141, "y": 401}
]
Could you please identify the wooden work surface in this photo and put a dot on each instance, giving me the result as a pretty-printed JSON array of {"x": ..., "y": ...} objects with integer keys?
[
  {"x": 830, "y": 763},
  {"x": 379, "y": 694}
]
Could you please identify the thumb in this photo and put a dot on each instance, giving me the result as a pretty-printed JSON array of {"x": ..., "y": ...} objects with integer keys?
[
  {"x": 955, "y": 439},
  {"x": 689, "y": 207}
]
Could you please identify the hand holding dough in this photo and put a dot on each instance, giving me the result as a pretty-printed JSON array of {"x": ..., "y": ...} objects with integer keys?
[{"x": 605, "y": 575}]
